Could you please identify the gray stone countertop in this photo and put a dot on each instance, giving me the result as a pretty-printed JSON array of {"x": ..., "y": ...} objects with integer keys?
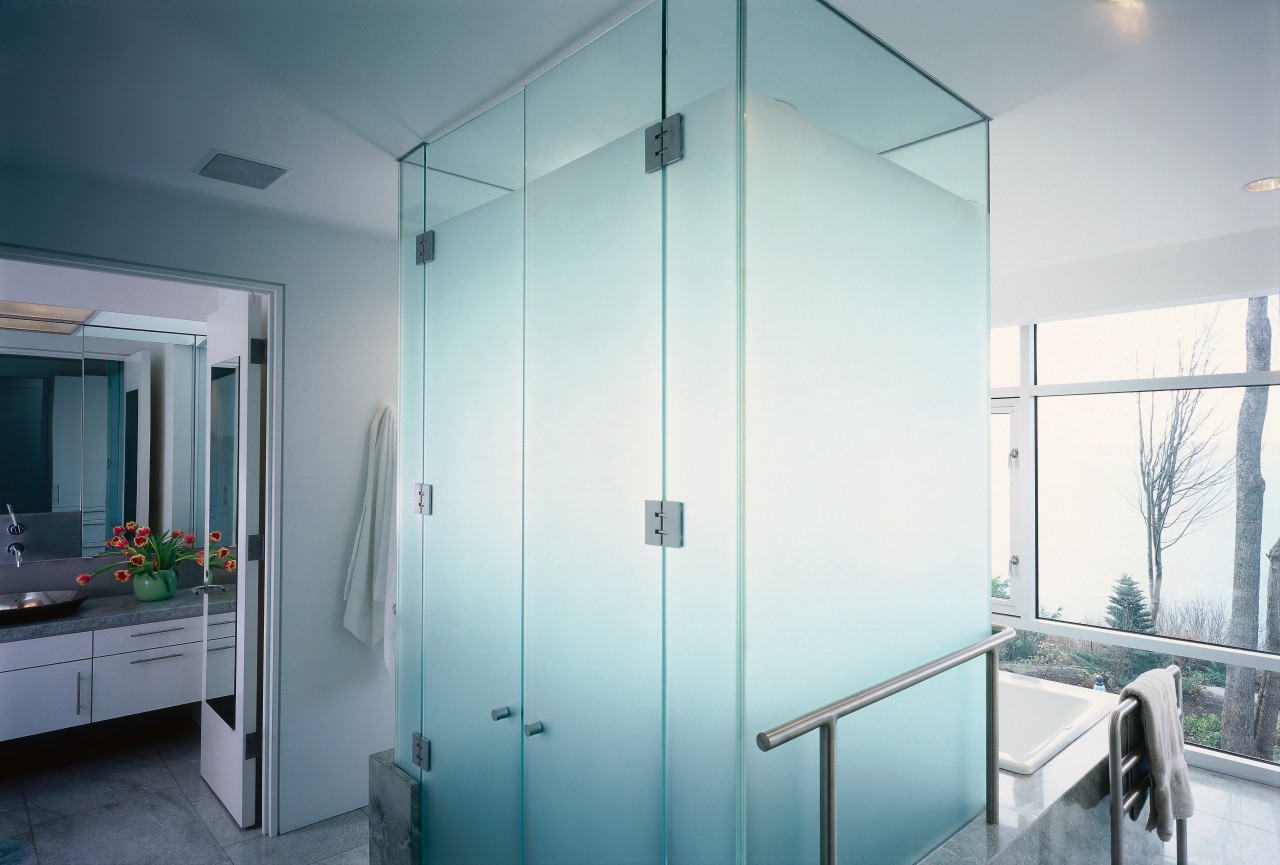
[{"x": 119, "y": 610}]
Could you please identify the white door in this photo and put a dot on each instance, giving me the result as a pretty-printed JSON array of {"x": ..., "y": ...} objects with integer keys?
[{"x": 230, "y": 711}]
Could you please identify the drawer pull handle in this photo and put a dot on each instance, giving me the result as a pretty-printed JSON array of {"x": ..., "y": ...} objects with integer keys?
[
  {"x": 221, "y": 648},
  {"x": 78, "y": 706},
  {"x": 161, "y": 631},
  {"x": 156, "y": 658}
]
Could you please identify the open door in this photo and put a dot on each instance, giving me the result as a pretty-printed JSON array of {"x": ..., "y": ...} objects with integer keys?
[{"x": 231, "y": 713}]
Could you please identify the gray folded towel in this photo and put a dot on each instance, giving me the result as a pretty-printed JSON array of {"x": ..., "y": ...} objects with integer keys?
[{"x": 1170, "y": 787}]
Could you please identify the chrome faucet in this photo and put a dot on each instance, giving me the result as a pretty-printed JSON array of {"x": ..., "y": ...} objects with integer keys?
[
  {"x": 17, "y": 528},
  {"x": 15, "y": 549}
]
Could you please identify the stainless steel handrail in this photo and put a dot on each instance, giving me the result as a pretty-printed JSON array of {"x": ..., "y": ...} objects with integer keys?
[{"x": 825, "y": 719}]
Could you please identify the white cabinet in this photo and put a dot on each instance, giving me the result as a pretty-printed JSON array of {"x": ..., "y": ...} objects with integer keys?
[
  {"x": 48, "y": 683},
  {"x": 142, "y": 681},
  {"x": 39, "y": 699},
  {"x": 131, "y": 638}
]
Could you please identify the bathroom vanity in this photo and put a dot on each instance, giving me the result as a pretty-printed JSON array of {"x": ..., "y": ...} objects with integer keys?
[{"x": 115, "y": 656}]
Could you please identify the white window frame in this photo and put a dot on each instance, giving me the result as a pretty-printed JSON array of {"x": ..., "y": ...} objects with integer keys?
[{"x": 1023, "y": 613}]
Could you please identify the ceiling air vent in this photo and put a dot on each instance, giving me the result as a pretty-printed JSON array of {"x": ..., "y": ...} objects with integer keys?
[{"x": 236, "y": 169}]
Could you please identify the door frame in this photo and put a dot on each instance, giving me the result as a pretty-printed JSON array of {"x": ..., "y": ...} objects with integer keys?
[{"x": 271, "y": 520}]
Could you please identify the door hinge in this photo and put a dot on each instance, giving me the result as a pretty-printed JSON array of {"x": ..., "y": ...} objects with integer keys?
[
  {"x": 253, "y": 548},
  {"x": 426, "y": 250},
  {"x": 664, "y": 523},
  {"x": 664, "y": 143},
  {"x": 257, "y": 351},
  {"x": 252, "y": 745},
  {"x": 424, "y": 501},
  {"x": 421, "y": 752}
]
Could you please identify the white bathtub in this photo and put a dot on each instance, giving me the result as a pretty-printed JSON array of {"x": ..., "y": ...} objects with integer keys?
[{"x": 1039, "y": 718}]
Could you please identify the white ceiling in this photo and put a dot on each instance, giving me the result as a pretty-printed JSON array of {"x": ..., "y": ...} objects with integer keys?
[{"x": 1119, "y": 125}]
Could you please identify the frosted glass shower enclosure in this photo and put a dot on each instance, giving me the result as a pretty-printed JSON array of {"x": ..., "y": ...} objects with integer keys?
[{"x": 783, "y": 328}]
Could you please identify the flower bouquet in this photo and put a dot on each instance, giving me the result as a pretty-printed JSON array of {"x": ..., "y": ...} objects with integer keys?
[{"x": 150, "y": 559}]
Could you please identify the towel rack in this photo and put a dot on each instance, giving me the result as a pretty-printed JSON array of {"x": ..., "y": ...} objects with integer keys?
[{"x": 1130, "y": 781}]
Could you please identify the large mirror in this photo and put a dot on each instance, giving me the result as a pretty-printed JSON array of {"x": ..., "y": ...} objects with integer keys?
[
  {"x": 224, "y": 489},
  {"x": 102, "y": 425}
]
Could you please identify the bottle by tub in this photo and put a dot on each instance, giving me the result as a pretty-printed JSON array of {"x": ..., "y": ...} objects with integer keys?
[{"x": 1099, "y": 682}]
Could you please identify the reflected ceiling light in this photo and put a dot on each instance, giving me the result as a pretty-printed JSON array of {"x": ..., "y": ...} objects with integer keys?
[
  {"x": 1263, "y": 184},
  {"x": 42, "y": 317}
]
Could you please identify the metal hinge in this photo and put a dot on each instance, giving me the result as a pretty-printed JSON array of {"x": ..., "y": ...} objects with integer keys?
[
  {"x": 424, "y": 501},
  {"x": 426, "y": 250},
  {"x": 253, "y": 548},
  {"x": 252, "y": 745},
  {"x": 257, "y": 351},
  {"x": 664, "y": 143},
  {"x": 664, "y": 523},
  {"x": 421, "y": 752}
]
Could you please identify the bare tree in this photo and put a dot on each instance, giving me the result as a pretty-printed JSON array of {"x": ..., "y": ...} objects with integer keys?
[
  {"x": 1267, "y": 714},
  {"x": 1238, "y": 713},
  {"x": 1181, "y": 480}
]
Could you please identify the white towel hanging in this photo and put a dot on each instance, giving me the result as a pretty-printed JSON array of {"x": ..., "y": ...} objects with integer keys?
[{"x": 371, "y": 577}]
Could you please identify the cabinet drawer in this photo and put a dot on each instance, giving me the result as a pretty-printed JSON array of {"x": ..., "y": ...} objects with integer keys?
[
  {"x": 37, "y": 652},
  {"x": 44, "y": 698},
  {"x": 153, "y": 635},
  {"x": 134, "y": 682}
]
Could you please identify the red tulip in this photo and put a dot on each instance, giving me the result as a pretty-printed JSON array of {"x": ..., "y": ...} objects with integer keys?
[
  {"x": 229, "y": 565},
  {"x": 131, "y": 525},
  {"x": 144, "y": 530},
  {"x": 83, "y": 579},
  {"x": 177, "y": 533},
  {"x": 189, "y": 540},
  {"x": 123, "y": 575},
  {"x": 223, "y": 552},
  {"x": 118, "y": 530},
  {"x": 200, "y": 558},
  {"x": 215, "y": 536},
  {"x": 137, "y": 560}
]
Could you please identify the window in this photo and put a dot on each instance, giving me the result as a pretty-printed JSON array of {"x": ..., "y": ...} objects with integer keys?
[{"x": 1145, "y": 508}]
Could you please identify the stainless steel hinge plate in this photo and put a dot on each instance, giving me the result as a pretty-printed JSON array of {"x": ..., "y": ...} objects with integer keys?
[
  {"x": 254, "y": 545},
  {"x": 426, "y": 247},
  {"x": 423, "y": 501},
  {"x": 257, "y": 351},
  {"x": 664, "y": 143},
  {"x": 664, "y": 523},
  {"x": 421, "y": 752}
]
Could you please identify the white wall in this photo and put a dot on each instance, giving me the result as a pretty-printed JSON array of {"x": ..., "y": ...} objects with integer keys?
[{"x": 340, "y": 357}]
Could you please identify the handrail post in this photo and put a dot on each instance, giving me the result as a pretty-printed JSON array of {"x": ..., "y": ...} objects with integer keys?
[
  {"x": 993, "y": 737},
  {"x": 827, "y": 791}
]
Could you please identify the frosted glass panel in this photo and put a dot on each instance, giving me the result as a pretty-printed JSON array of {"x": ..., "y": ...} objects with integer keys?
[
  {"x": 701, "y": 428},
  {"x": 409, "y": 588},
  {"x": 865, "y": 335},
  {"x": 593, "y": 451},
  {"x": 471, "y": 797}
]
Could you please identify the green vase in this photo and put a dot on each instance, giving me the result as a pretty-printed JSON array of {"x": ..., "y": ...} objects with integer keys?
[{"x": 155, "y": 587}]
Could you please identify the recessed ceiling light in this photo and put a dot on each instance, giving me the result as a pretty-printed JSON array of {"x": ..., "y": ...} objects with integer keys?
[
  {"x": 1263, "y": 184},
  {"x": 15, "y": 315}
]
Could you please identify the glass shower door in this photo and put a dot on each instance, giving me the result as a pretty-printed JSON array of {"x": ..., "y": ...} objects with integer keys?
[
  {"x": 593, "y": 750},
  {"x": 472, "y": 410}
]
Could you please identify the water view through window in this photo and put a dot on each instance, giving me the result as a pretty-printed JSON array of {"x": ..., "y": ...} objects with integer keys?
[{"x": 1158, "y": 511}]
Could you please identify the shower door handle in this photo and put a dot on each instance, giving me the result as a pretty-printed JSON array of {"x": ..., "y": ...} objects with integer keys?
[
  {"x": 533, "y": 729},
  {"x": 499, "y": 714}
]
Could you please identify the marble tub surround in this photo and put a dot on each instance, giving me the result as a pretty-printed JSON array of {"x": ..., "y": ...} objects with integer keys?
[
  {"x": 128, "y": 792},
  {"x": 119, "y": 610},
  {"x": 394, "y": 813},
  {"x": 1061, "y": 816}
]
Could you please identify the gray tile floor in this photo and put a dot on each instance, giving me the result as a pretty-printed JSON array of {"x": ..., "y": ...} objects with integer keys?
[
  {"x": 131, "y": 794},
  {"x": 1236, "y": 822}
]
